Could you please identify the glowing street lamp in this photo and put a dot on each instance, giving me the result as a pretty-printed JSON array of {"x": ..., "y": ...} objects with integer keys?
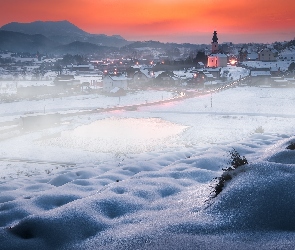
[{"x": 233, "y": 62}]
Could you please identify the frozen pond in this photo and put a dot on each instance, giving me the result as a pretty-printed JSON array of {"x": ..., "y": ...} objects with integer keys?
[{"x": 121, "y": 135}]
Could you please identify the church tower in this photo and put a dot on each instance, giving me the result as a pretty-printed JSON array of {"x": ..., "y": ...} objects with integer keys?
[
  {"x": 214, "y": 43},
  {"x": 216, "y": 59}
]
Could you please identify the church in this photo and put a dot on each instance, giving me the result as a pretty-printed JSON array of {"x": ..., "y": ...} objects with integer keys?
[{"x": 216, "y": 59}]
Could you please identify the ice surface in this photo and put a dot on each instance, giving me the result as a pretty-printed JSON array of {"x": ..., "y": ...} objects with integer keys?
[{"x": 129, "y": 135}]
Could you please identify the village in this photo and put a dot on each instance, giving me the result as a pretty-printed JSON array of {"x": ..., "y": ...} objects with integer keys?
[{"x": 27, "y": 76}]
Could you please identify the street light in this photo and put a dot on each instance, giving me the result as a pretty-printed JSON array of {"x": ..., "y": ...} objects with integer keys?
[
  {"x": 211, "y": 94},
  {"x": 211, "y": 98}
]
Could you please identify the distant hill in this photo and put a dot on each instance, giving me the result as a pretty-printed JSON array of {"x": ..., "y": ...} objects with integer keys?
[
  {"x": 82, "y": 48},
  {"x": 146, "y": 44},
  {"x": 160, "y": 45},
  {"x": 48, "y": 29},
  {"x": 19, "y": 42},
  {"x": 64, "y": 32}
]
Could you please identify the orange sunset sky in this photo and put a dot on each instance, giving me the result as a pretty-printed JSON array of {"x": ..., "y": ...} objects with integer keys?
[{"x": 179, "y": 21}]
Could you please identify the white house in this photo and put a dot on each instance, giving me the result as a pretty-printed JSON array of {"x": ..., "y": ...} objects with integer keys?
[
  {"x": 217, "y": 60},
  {"x": 81, "y": 67},
  {"x": 91, "y": 79},
  {"x": 267, "y": 55},
  {"x": 260, "y": 76},
  {"x": 111, "y": 82},
  {"x": 252, "y": 56},
  {"x": 141, "y": 77},
  {"x": 288, "y": 55}
]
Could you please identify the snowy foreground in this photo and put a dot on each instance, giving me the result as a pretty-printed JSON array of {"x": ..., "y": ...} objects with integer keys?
[{"x": 143, "y": 179}]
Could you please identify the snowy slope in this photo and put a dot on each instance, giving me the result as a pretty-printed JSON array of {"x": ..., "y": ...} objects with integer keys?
[{"x": 70, "y": 194}]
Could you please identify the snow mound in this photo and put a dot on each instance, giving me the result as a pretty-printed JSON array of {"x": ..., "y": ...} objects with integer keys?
[
  {"x": 260, "y": 198},
  {"x": 146, "y": 208}
]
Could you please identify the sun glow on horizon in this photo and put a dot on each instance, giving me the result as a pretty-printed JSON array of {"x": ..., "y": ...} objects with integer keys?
[{"x": 163, "y": 20}]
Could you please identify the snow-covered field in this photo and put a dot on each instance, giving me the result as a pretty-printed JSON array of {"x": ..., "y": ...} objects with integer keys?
[
  {"x": 14, "y": 110},
  {"x": 143, "y": 179}
]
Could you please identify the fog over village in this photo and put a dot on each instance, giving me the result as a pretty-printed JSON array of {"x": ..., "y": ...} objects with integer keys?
[{"x": 108, "y": 143}]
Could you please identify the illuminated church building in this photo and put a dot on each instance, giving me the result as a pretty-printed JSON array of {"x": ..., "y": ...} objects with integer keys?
[{"x": 216, "y": 59}]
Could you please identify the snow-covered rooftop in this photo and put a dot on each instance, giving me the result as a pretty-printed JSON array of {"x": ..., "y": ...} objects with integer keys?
[{"x": 260, "y": 73}]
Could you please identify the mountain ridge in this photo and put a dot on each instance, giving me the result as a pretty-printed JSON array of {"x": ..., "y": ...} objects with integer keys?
[
  {"x": 20, "y": 42},
  {"x": 61, "y": 37},
  {"x": 64, "y": 32}
]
